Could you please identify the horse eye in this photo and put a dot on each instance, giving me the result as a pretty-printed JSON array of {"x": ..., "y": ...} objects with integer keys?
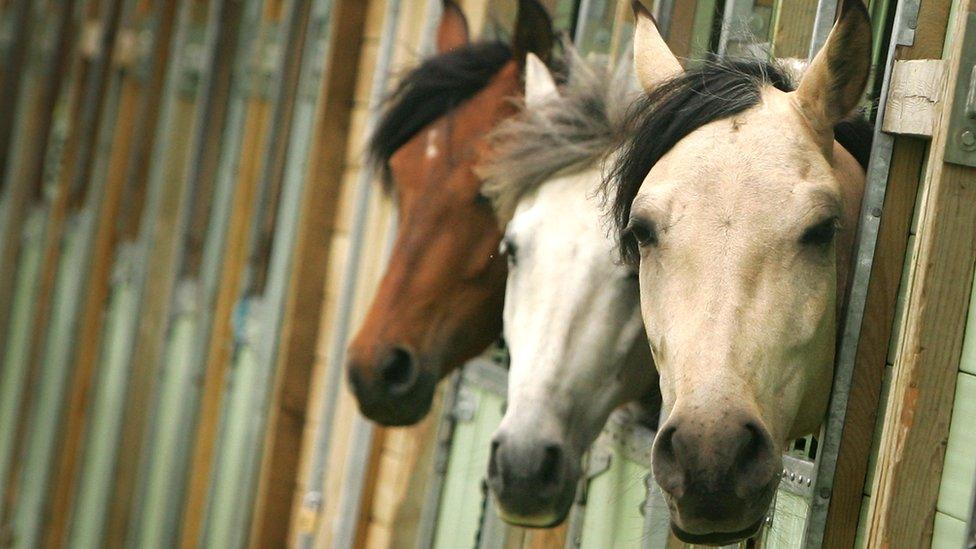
[
  {"x": 509, "y": 250},
  {"x": 482, "y": 200},
  {"x": 642, "y": 231},
  {"x": 820, "y": 234}
]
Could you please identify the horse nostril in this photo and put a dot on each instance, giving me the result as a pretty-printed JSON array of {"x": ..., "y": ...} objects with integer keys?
[
  {"x": 398, "y": 372},
  {"x": 755, "y": 459},
  {"x": 667, "y": 464},
  {"x": 550, "y": 466},
  {"x": 493, "y": 470},
  {"x": 753, "y": 444}
]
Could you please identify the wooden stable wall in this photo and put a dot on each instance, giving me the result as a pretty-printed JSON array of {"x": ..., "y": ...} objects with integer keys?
[
  {"x": 905, "y": 506},
  {"x": 166, "y": 165}
]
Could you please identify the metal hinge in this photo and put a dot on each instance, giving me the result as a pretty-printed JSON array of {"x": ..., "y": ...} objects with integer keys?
[{"x": 961, "y": 139}]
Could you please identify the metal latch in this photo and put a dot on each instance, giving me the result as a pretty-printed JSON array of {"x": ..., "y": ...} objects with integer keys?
[{"x": 961, "y": 141}]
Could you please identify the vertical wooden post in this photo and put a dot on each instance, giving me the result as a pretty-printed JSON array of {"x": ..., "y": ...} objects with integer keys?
[{"x": 296, "y": 355}]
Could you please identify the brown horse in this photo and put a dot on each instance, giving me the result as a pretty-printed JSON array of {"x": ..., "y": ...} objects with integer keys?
[{"x": 440, "y": 301}]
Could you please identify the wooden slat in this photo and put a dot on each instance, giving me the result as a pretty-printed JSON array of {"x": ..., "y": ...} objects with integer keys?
[
  {"x": 296, "y": 357},
  {"x": 137, "y": 106},
  {"x": 249, "y": 166},
  {"x": 18, "y": 16},
  {"x": 793, "y": 28},
  {"x": 682, "y": 29},
  {"x": 23, "y": 173},
  {"x": 158, "y": 229},
  {"x": 65, "y": 101},
  {"x": 907, "y": 160},
  {"x": 919, "y": 407},
  {"x": 95, "y": 47}
]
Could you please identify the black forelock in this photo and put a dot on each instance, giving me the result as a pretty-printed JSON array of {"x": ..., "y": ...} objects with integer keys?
[
  {"x": 430, "y": 91},
  {"x": 716, "y": 89}
]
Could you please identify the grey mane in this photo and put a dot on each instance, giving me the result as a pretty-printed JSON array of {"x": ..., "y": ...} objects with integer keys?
[{"x": 565, "y": 135}]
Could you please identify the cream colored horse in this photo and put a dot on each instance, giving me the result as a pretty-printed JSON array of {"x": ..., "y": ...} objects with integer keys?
[{"x": 739, "y": 206}]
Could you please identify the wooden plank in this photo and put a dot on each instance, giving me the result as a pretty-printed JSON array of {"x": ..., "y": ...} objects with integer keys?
[
  {"x": 914, "y": 96},
  {"x": 76, "y": 210},
  {"x": 138, "y": 104},
  {"x": 160, "y": 492},
  {"x": 154, "y": 229},
  {"x": 914, "y": 437},
  {"x": 296, "y": 357},
  {"x": 907, "y": 160},
  {"x": 681, "y": 31},
  {"x": 38, "y": 426},
  {"x": 247, "y": 165},
  {"x": 793, "y": 28},
  {"x": 17, "y": 20},
  {"x": 24, "y": 172},
  {"x": 264, "y": 280}
]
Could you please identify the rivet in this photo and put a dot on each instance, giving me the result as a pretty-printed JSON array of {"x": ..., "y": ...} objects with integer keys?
[
  {"x": 967, "y": 140},
  {"x": 876, "y": 212},
  {"x": 792, "y": 476},
  {"x": 825, "y": 492},
  {"x": 809, "y": 481}
]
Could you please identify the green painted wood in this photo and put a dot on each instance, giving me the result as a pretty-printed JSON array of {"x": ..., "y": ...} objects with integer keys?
[
  {"x": 95, "y": 489},
  {"x": 958, "y": 473},
  {"x": 614, "y": 499},
  {"x": 13, "y": 375},
  {"x": 878, "y": 424},
  {"x": 861, "y": 539},
  {"x": 702, "y": 28},
  {"x": 967, "y": 363},
  {"x": 177, "y": 380},
  {"x": 900, "y": 300},
  {"x": 226, "y": 518},
  {"x": 789, "y": 521},
  {"x": 158, "y": 507},
  {"x": 45, "y": 415},
  {"x": 121, "y": 332},
  {"x": 949, "y": 532},
  {"x": 461, "y": 502}
]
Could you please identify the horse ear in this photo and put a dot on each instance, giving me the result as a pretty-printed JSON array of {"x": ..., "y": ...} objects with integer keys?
[
  {"x": 653, "y": 60},
  {"x": 539, "y": 83},
  {"x": 533, "y": 32},
  {"x": 453, "y": 30},
  {"x": 834, "y": 83}
]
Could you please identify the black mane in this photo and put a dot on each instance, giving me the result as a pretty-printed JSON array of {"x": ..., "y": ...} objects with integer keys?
[
  {"x": 717, "y": 89},
  {"x": 429, "y": 91}
]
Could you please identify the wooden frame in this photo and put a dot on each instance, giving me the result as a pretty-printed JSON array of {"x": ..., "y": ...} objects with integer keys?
[
  {"x": 920, "y": 403},
  {"x": 296, "y": 356},
  {"x": 907, "y": 161}
]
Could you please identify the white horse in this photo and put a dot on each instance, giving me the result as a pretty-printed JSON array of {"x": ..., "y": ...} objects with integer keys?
[{"x": 572, "y": 314}]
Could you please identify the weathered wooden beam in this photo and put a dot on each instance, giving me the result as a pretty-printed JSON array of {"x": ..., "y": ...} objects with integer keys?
[{"x": 914, "y": 96}]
